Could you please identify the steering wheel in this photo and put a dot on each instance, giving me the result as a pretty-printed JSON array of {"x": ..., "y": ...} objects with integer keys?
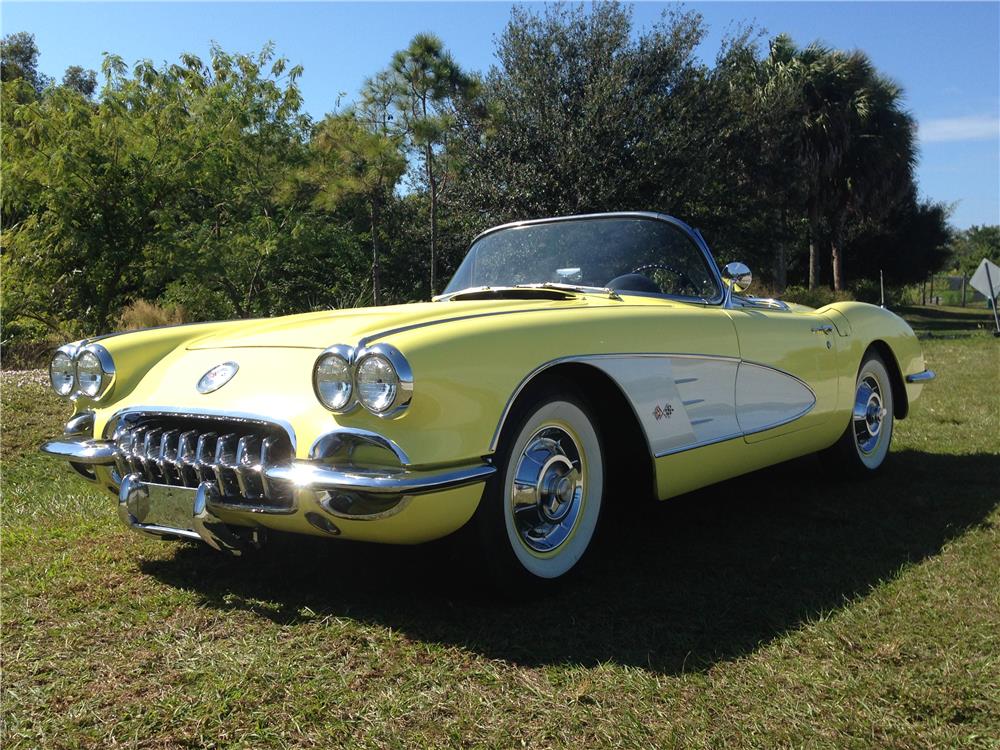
[{"x": 683, "y": 277}]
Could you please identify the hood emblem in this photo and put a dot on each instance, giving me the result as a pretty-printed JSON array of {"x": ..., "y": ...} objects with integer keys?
[{"x": 217, "y": 377}]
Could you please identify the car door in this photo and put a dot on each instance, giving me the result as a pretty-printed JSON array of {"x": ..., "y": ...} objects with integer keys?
[{"x": 787, "y": 379}]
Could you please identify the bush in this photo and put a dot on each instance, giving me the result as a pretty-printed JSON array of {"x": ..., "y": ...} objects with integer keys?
[
  {"x": 819, "y": 297},
  {"x": 143, "y": 314}
]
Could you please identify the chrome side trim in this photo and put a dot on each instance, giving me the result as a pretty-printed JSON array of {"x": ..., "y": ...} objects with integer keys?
[
  {"x": 87, "y": 452},
  {"x": 583, "y": 358},
  {"x": 305, "y": 474},
  {"x": 921, "y": 377},
  {"x": 586, "y": 358},
  {"x": 702, "y": 444},
  {"x": 193, "y": 413}
]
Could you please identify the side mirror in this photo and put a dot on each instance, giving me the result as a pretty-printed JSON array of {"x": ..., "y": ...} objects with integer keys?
[{"x": 737, "y": 276}]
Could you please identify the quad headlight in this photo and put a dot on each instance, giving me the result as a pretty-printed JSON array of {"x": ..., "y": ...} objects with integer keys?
[
  {"x": 62, "y": 373},
  {"x": 86, "y": 371},
  {"x": 333, "y": 378},
  {"x": 377, "y": 377}
]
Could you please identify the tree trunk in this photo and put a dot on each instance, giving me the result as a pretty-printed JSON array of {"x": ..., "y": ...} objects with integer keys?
[
  {"x": 432, "y": 186},
  {"x": 813, "y": 246},
  {"x": 376, "y": 277},
  {"x": 781, "y": 260},
  {"x": 837, "y": 255}
]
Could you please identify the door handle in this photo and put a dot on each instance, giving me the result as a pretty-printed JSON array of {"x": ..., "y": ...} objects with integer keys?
[{"x": 827, "y": 329}]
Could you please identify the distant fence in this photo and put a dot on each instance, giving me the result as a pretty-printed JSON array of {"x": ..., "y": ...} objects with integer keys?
[{"x": 952, "y": 291}]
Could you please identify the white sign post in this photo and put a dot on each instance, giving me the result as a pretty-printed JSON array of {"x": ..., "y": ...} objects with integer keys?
[{"x": 986, "y": 280}]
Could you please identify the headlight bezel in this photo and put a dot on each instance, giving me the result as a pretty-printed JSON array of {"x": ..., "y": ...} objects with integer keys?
[
  {"x": 404, "y": 377},
  {"x": 68, "y": 351},
  {"x": 355, "y": 357},
  {"x": 107, "y": 366},
  {"x": 345, "y": 353}
]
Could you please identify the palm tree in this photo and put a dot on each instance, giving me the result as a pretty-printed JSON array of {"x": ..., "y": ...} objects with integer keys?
[
  {"x": 846, "y": 132},
  {"x": 876, "y": 171}
]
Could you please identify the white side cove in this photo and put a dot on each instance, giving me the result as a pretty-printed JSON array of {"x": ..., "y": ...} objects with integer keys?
[
  {"x": 766, "y": 398},
  {"x": 686, "y": 401}
]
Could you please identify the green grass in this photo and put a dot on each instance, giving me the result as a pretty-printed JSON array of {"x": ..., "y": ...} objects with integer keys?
[{"x": 785, "y": 608}]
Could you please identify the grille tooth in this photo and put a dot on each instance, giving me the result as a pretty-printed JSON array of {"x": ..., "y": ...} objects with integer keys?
[
  {"x": 185, "y": 452},
  {"x": 150, "y": 452},
  {"x": 204, "y": 452},
  {"x": 247, "y": 472},
  {"x": 166, "y": 463},
  {"x": 225, "y": 464},
  {"x": 185, "y": 458}
]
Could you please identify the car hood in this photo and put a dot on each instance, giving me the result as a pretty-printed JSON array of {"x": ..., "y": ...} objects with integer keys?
[{"x": 322, "y": 329}]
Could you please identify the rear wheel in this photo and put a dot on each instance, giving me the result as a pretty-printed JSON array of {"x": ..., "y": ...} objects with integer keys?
[
  {"x": 541, "y": 509},
  {"x": 865, "y": 443}
]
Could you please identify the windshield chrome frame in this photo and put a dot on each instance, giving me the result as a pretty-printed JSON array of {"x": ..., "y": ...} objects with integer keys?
[{"x": 692, "y": 234}]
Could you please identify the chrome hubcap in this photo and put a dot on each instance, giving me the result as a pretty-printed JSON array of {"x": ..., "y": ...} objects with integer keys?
[
  {"x": 869, "y": 413},
  {"x": 548, "y": 489}
]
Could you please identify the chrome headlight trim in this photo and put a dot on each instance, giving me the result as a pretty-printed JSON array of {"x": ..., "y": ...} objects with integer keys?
[
  {"x": 107, "y": 371},
  {"x": 404, "y": 374},
  {"x": 346, "y": 353},
  {"x": 68, "y": 351}
]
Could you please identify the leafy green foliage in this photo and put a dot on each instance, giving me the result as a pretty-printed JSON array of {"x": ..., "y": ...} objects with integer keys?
[{"x": 202, "y": 185}]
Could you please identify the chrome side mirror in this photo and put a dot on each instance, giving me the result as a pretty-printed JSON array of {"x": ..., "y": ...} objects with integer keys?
[{"x": 737, "y": 276}]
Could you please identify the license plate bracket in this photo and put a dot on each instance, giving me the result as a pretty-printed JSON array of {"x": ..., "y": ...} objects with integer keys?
[{"x": 163, "y": 505}]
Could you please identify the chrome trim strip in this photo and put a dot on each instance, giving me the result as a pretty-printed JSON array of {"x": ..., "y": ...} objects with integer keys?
[
  {"x": 702, "y": 444},
  {"x": 921, "y": 377},
  {"x": 306, "y": 474},
  {"x": 88, "y": 452},
  {"x": 366, "y": 341},
  {"x": 194, "y": 413}
]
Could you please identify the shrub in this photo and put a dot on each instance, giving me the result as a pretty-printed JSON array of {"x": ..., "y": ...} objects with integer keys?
[
  {"x": 819, "y": 297},
  {"x": 143, "y": 314}
]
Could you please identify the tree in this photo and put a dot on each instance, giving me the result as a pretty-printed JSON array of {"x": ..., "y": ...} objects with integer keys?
[
  {"x": 19, "y": 60},
  {"x": 168, "y": 178},
  {"x": 80, "y": 80},
  {"x": 427, "y": 82},
  {"x": 972, "y": 245},
  {"x": 851, "y": 142},
  {"x": 580, "y": 114},
  {"x": 351, "y": 159}
]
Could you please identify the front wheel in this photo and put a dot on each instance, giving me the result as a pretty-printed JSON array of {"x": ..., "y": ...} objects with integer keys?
[
  {"x": 865, "y": 443},
  {"x": 541, "y": 509}
]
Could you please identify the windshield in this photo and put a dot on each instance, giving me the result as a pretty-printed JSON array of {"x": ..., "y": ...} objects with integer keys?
[{"x": 627, "y": 254}]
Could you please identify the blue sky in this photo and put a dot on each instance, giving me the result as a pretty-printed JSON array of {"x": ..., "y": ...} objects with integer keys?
[{"x": 945, "y": 55}]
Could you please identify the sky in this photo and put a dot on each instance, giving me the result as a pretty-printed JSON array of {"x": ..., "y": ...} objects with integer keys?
[{"x": 946, "y": 56}]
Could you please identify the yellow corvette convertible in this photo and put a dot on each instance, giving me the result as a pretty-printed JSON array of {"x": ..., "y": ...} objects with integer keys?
[{"x": 566, "y": 359}]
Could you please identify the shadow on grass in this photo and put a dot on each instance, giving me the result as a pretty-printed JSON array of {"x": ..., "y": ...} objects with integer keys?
[{"x": 673, "y": 587}]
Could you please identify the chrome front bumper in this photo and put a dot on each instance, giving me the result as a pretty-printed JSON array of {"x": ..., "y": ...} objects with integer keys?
[{"x": 352, "y": 493}]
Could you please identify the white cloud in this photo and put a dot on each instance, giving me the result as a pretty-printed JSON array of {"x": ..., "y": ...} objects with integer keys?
[{"x": 970, "y": 128}]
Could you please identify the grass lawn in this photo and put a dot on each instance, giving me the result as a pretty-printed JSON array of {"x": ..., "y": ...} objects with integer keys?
[{"x": 785, "y": 608}]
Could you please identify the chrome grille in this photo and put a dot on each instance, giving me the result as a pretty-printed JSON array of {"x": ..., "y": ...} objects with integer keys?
[{"x": 186, "y": 451}]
